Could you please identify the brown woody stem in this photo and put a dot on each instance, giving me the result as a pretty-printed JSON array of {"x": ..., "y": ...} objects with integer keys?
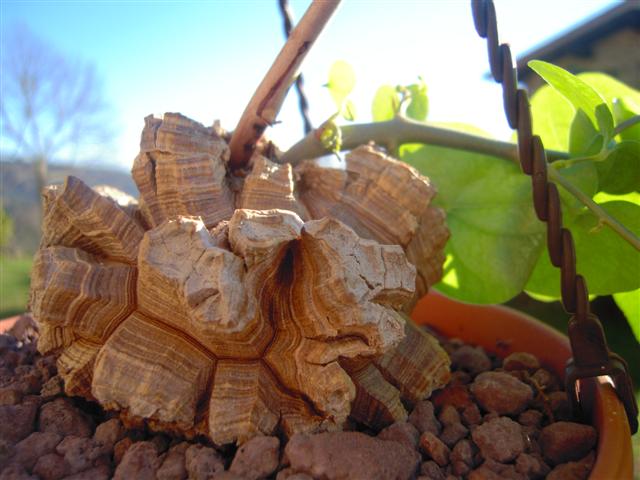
[{"x": 265, "y": 104}]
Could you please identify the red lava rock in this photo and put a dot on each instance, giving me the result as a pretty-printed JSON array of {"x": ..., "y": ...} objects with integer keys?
[
  {"x": 460, "y": 377},
  {"x": 573, "y": 470},
  {"x": 471, "y": 359},
  {"x": 202, "y": 462},
  {"x": 504, "y": 470},
  {"x": 521, "y": 361},
  {"x": 483, "y": 473},
  {"x": 463, "y": 451},
  {"x": 161, "y": 442},
  {"x": 101, "y": 472},
  {"x": 449, "y": 415},
  {"x": 35, "y": 446},
  {"x": 109, "y": 433},
  {"x": 531, "y": 465},
  {"x": 423, "y": 418},
  {"x": 140, "y": 462},
  {"x": 257, "y": 458},
  {"x": 455, "y": 395},
  {"x": 565, "y": 441},
  {"x": 290, "y": 474},
  {"x": 453, "y": 433},
  {"x": 559, "y": 403},
  {"x": 80, "y": 452},
  {"x": 402, "y": 432},
  {"x": 61, "y": 417},
  {"x": 17, "y": 421},
  {"x": 501, "y": 393},
  {"x": 10, "y": 395},
  {"x": 431, "y": 470},
  {"x": 29, "y": 379},
  {"x": 52, "y": 388},
  {"x": 173, "y": 466},
  {"x": 16, "y": 471},
  {"x": 434, "y": 448},
  {"x": 471, "y": 415},
  {"x": 47, "y": 367},
  {"x": 120, "y": 448},
  {"x": 51, "y": 467},
  {"x": 530, "y": 418},
  {"x": 351, "y": 455},
  {"x": 500, "y": 439},
  {"x": 546, "y": 380},
  {"x": 229, "y": 476}
]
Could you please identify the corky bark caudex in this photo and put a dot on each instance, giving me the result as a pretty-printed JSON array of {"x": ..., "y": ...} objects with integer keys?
[{"x": 231, "y": 307}]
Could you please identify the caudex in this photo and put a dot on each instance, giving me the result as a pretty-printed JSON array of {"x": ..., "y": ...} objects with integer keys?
[{"x": 243, "y": 296}]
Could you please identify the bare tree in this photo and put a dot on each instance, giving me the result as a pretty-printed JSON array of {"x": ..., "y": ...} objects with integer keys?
[{"x": 51, "y": 106}]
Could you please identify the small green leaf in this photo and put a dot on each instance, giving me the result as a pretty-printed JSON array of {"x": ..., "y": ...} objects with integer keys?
[
  {"x": 584, "y": 139},
  {"x": 581, "y": 95},
  {"x": 620, "y": 172},
  {"x": 419, "y": 104},
  {"x": 342, "y": 79},
  {"x": 331, "y": 136},
  {"x": 552, "y": 116},
  {"x": 605, "y": 121},
  {"x": 606, "y": 260},
  {"x": 621, "y": 113},
  {"x": 629, "y": 303},
  {"x": 611, "y": 89},
  {"x": 385, "y": 104},
  {"x": 349, "y": 111}
]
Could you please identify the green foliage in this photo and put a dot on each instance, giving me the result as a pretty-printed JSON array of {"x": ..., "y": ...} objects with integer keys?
[
  {"x": 6, "y": 228},
  {"x": 342, "y": 79},
  {"x": 388, "y": 102},
  {"x": 14, "y": 285}
]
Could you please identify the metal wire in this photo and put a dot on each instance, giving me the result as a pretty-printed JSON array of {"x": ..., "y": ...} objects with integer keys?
[
  {"x": 591, "y": 354},
  {"x": 303, "y": 104}
]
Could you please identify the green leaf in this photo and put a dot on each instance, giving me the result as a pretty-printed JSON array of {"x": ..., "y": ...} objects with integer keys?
[
  {"x": 342, "y": 79},
  {"x": 584, "y": 139},
  {"x": 629, "y": 303},
  {"x": 331, "y": 135},
  {"x": 385, "y": 104},
  {"x": 551, "y": 116},
  {"x": 577, "y": 91},
  {"x": 620, "y": 172},
  {"x": 496, "y": 238},
  {"x": 621, "y": 113},
  {"x": 419, "y": 104},
  {"x": 607, "y": 261},
  {"x": 611, "y": 89},
  {"x": 349, "y": 111}
]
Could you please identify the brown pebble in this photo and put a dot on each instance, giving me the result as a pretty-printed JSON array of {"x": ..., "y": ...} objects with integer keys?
[
  {"x": 402, "y": 432},
  {"x": 79, "y": 452},
  {"x": 460, "y": 377},
  {"x": 483, "y": 473},
  {"x": 17, "y": 421},
  {"x": 10, "y": 395},
  {"x": 471, "y": 359},
  {"x": 431, "y": 470},
  {"x": 173, "y": 465},
  {"x": 545, "y": 380},
  {"x": 51, "y": 467},
  {"x": 100, "y": 472},
  {"x": 500, "y": 439},
  {"x": 501, "y": 393},
  {"x": 63, "y": 418},
  {"x": 120, "y": 448},
  {"x": 256, "y": 458},
  {"x": 471, "y": 415},
  {"x": 202, "y": 462},
  {"x": 434, "y": 448},
  {"x": 449, "y": 415},
  {"x": 521, "y": 361},
  {"x": 531, "y": 465},
  {"x": 52, "y": 388},
  {"x": 455, "y": 395},
  {"x": 559, "y": 403},
  {"x": 140, "y": 462},
  {"x": 573, "y": 470},
  {"x": 453, "y": 433},
  {"x": 424, "y": 419},
  {"x": 566, "y": 441},
  {"x": 35, "y": 446},
  {"x": 351, "y": 455},
  {"x": 108, "y": 433},
  {"x": 15, "y": 471},
  {"x": 530, "y": 418}
]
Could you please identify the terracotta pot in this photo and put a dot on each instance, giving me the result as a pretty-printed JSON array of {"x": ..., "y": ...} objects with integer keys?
[{"x": 503, "y": 330}]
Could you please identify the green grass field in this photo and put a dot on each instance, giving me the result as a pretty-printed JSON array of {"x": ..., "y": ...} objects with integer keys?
[{"x": 14, "y": 284}]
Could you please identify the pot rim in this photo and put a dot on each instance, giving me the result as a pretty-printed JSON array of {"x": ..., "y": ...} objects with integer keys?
[{"x": 503, "y": 330}]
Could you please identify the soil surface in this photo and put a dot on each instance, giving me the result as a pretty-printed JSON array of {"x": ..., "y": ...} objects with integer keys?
[{"x": 497, "y": 418}]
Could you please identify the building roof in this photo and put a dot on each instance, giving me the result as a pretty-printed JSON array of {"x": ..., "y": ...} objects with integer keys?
[{"x": 578, "y": 40}]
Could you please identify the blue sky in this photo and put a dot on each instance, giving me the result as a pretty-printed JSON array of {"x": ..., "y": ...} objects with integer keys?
[{"x": 204, "y": 59}]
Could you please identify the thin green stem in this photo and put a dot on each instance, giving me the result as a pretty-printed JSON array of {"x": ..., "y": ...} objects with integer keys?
[
  {"x": 403, "y": 130},
  {"x": 628, "y": 123},
  {"x": 600, "y": 213}
]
